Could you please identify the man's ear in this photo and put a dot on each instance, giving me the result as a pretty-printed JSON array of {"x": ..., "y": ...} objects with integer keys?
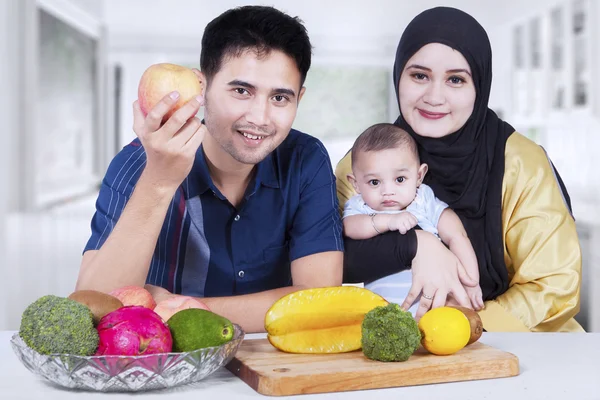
[
  {"x": 352, "y": 181},
  {"x": 302, "y": 90},
  {"x": 202, "y": 79},
  {"x": 422, "y": 172}
]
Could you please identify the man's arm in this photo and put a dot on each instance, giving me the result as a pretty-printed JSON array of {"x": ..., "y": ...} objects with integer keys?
[
  {"x": 124, "y": 258},
  {"x": 249, "y": 310},
  {"x": 453, "y": 234},
  {"x": 315, "y": 245},
  {"x": 315, "y": 270}
]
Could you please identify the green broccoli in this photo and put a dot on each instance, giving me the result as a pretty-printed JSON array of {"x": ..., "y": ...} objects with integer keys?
[
  {"x": 389, "y": 334},
  {"x": 56, "y": 325}
]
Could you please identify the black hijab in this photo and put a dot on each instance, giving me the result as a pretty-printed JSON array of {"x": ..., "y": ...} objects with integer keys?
[{"x": 466, "y": 168}]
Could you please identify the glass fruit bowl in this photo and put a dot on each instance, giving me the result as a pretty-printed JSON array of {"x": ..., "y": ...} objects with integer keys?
[{"x": 127, "y": 373}]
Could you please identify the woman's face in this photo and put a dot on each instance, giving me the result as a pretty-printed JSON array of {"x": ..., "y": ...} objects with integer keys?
[{"x": 436, "y": 91}]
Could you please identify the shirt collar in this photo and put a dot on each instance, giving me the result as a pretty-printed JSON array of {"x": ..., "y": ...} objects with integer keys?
[{"x": 199, "y": 180}]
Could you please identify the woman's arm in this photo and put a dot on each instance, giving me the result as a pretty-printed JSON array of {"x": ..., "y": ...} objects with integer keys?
[
  {"x": 542, "y": 248},
  {"x": 370, "y": 259}
]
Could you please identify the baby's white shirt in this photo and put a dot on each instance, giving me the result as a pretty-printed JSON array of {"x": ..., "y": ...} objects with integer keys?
[{"x": 425, "y": 207}]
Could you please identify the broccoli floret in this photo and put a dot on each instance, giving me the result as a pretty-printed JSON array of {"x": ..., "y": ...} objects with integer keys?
[
  {"x": 389, "y": 334},
  {"x": 56, "y": 325}
]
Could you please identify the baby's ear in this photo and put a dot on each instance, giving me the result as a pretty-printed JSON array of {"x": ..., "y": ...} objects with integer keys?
[
  {"x": 422, "y": 172},
  {"x": 353, "y": 182}
]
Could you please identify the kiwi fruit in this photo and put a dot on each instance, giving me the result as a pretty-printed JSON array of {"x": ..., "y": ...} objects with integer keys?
[
  {"x": 474, "y": 321},
  {"x": 99, "y": 303}
]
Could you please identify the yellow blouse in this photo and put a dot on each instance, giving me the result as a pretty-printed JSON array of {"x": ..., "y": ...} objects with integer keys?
[{"x": 541, "y": 247}]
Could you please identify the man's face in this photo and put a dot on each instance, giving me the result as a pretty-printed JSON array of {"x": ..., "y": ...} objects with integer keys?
[{"x": 251, "y": 104}]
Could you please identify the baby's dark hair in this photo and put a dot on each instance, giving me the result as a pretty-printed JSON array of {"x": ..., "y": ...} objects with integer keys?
[{"x": 384, "y": 137}]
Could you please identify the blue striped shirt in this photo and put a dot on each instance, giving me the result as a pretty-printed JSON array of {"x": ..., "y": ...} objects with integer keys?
[{"x": 207, "y": 247}]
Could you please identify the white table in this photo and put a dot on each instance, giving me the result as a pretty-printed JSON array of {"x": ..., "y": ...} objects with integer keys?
[{"x": 553, "y": 366}]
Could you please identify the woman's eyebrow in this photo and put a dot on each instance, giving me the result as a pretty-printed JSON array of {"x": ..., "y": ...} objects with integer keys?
[
  {"x": 417, "y": 66},
  {"x": 450, "y": 71},
  {"x": 456, "y": 71}
]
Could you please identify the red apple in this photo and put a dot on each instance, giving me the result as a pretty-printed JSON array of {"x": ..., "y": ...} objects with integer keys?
[
  {"x": 170, "y": 306},
  {"x": 161, "y": 79},
  {"x": 134, "y": 296}
]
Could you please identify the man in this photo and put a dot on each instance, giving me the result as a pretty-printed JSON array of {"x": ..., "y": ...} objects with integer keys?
[{"x": 218, "y": 211}]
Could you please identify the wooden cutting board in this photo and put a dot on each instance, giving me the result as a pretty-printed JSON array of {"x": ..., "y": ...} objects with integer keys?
[{"x": 275, "y": 373}]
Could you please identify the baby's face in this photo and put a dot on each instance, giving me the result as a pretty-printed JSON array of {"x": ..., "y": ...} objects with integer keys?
[{"x": 387, "y": 179}]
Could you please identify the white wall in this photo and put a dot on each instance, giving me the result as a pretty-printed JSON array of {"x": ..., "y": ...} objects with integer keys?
[
  {"x": 10, "y": 100},
  {"x": 349, "y": 32},
  {"x": 6, "y": 117},
  {"x": 331, "y": 18},
  {"x": 15, "y": 113},
  {"x": 570, "y": 137}
]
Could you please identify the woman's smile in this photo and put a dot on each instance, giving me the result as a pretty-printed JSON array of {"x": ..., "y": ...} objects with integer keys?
[{"x": 431, "y": 115}]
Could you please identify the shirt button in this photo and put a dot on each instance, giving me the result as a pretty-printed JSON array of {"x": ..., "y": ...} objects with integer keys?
[
  {"x": 237, "y": 218},
  {"x": 241, "y": 274}
]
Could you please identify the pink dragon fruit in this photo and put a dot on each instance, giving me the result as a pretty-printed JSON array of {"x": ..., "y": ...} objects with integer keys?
[{"x": 133, "y": 331}]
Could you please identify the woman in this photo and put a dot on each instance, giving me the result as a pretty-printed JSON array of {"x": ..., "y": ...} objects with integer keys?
[{"x": 504, "y": 188}]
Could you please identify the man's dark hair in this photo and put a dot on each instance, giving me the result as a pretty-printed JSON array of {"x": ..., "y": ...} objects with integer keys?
[
  {"x": 383, "y": 137},
  {"x": 257, "y": 28}
]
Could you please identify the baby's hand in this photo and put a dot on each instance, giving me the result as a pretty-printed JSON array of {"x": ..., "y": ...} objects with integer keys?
[
  {"x": 402, "y": 222},
  {"x": 476, "y": 296}
]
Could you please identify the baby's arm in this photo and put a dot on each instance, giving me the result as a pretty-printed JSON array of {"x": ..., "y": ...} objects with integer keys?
[
  {"x": 367, "y": 226},
  {"x": 363, "y": 227},
  {"x": 453, "y": 234}
]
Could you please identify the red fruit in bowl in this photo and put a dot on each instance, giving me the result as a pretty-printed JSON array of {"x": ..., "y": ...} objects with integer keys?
[
  {"x": 167, "y": 308},
  {"x": 133, "y": 331},
  {"x": 134, "y": 296}
]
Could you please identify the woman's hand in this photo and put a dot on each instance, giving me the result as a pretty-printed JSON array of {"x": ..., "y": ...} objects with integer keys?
[{"x": 436, "y": 273}]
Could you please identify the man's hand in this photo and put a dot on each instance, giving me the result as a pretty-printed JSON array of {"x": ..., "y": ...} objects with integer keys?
[
  {"x": 159, "y": 294},
  {"x": 170, "y": 148},
  {"x": 402, "y": 222}
]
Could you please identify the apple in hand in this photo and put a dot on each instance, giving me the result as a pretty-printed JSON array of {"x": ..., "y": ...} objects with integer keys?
[{"x": 161, "y": 79}]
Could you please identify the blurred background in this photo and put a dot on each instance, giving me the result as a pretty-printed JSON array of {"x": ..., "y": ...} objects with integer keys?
[{"x": 69, "y": 71}]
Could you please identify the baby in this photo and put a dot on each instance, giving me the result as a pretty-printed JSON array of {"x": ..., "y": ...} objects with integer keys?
[{"x": 387, "y": 175}]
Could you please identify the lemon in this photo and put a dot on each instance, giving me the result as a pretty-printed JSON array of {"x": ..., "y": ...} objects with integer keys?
[{"x": 444, "y": 330}]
